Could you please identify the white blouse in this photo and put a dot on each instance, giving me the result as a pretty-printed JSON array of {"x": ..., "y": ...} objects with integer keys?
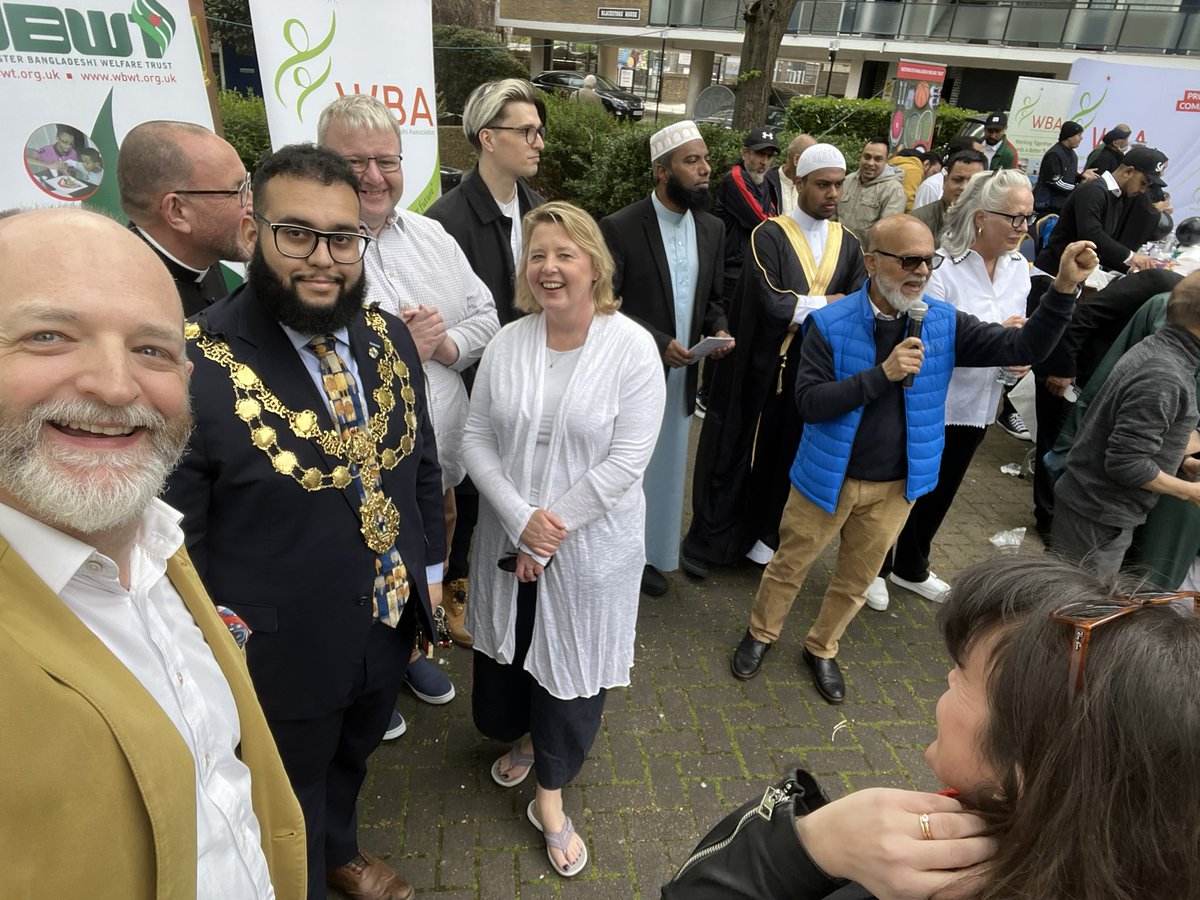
[{"x": 963, "y": 282}]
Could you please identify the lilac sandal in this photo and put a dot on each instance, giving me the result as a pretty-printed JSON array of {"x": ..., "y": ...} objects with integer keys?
[
  {"x": 518, "y": 759},
  {"x": 560, "y": 841}
]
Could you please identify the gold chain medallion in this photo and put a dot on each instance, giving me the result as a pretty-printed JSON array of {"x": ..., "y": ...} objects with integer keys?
[{"x": 252, "y": 398}]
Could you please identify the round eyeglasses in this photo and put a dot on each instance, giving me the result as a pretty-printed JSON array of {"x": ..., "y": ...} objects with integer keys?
[
  {"x": 530, "y": 132},
  {"x": 300, "y": 241}
]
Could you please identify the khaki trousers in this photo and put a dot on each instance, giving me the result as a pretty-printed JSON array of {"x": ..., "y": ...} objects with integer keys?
[{"x": 869, "y": 517}]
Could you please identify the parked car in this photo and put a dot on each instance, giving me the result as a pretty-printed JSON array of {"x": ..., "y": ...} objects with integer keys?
[
  {"x": 715, "y": 104},
  {"x": 617, "y": 101}
]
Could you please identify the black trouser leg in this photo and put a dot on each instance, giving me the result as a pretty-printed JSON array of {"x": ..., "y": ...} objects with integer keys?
[
  {"x": 466, "y": 498},
  {"x": 1051, "y": 414}
]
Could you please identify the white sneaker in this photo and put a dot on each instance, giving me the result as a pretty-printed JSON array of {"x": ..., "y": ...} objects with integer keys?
[
  {"x": 760, "y": 553},
  {"x": 932, "y": 588},
  {"x": 877, "y": 595}
]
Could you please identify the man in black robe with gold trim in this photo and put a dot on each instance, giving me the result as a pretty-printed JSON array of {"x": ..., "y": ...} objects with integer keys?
[{"x": 795, "y": 263}]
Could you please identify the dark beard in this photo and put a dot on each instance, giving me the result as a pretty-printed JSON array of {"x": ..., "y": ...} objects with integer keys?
[
  {"x": 682, "y": 197},
  {"x": 284, "y": 305}
]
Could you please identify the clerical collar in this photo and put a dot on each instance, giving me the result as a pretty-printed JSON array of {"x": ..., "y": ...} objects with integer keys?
[{"x": 198, "y": 273}]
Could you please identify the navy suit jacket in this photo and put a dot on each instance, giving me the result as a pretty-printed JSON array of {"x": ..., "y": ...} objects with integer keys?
[{"x": 292, "y": 562}]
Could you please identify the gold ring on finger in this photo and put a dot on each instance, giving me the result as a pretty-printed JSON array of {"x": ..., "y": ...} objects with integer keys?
[{"x": 926, "y": 831}]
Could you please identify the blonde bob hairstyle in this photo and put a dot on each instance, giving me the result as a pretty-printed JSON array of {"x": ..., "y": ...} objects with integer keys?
[{"x": 582, "y": 230}]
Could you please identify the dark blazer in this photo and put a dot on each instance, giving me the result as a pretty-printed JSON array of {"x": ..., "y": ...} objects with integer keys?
[
  {"x": 196, "y": 294},
  {"x": 642, "y": 278},
  {"x": 470, "y": 215},
  {"x": 289, "y": 561}
]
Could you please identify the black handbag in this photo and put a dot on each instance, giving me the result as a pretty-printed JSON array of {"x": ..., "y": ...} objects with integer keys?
[{"x": 754, "y": 853}]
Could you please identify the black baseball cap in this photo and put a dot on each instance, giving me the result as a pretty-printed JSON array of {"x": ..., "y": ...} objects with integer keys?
[
  {"x": 996, "y": 120},
  {"x": 1149, "y": 162},
  {"x": 761, "y": 137}
]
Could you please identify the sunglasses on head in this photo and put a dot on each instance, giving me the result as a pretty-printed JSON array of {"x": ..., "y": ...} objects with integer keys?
[{"x": 1084, "y": 618}]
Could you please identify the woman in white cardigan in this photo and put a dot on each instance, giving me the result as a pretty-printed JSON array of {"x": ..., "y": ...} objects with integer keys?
[{"x": 564, "y": 415}]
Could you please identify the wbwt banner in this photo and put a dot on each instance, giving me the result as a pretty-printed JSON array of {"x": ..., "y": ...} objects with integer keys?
[
  {"x": 311, "y": 52},
  {"x": 75, "y": 77},
  {"x": 1161, "y": 104}
]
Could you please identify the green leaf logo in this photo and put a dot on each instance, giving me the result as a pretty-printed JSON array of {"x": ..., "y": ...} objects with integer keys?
[
  {"x": 155, "y": 20},
  {"x": 295, "y": 34},
  {"x": 1086, "y": 114}
]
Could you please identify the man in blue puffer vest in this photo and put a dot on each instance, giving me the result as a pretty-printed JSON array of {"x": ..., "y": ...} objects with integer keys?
[{"x": 871, "y": 447}]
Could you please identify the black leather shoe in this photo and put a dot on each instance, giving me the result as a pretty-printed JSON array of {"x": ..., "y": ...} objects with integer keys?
[
  {"x": 827, "y": 677},
  {"x": 748, "y": 657},
  {"x": 654, "y": 582},
  {"x": 692, "y": 565}
]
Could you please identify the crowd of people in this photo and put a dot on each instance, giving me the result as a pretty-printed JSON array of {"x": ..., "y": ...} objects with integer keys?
[{"x": 228, "y": 544}]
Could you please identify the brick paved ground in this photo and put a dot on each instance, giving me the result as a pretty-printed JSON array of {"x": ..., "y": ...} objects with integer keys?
[{"x": 686, "y": 742}]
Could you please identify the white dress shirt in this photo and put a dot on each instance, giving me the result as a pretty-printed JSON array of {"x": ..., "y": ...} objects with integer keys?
[
  {"x": 149, "y": 630},
  {"x": 964, "y": 283},
  {"x": 816, "y": 232},
  {"x": 931, "y": 189},
  {"x": 414, "y": 262}
]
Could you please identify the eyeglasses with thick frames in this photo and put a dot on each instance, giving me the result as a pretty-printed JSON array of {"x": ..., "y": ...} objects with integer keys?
[
  {"x": 385, "y": 164},
  {"x": 1084, "y": 618},
  {"x": 242, "y": 191},
  {"x": 530, "y": 132},
  {"x": 912, "y": 263},
  {"x": 1019, "y": 221},
  {"x": 300, "y": 241}
]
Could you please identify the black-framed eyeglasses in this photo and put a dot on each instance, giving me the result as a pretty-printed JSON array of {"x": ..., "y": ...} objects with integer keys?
[
  {"x": 530, "y": 132},
  {"x": 300, "y": 241},
  {"x": 385, "y": 164},
  {"x": 912, "y": 263},
  {"x": 1019, "y": 221},
  {"x": 242, "y": 191},
  {"x": 1084, "y": 618}
]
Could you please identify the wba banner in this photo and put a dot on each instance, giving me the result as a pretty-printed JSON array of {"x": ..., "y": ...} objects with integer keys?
[
  {"x": 311, "y": 52},
  {"x": 1039, "y": 108},
  {"x": 75, "y": 77},
  {"x": 1161, "y": 103}
]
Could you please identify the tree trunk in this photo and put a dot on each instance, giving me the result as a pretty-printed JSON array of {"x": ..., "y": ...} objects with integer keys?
[{"x": 766, "y": 21}]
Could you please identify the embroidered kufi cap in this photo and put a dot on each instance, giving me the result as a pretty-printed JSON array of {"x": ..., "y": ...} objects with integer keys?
[
  {"x": 820, "y": 156},
  {"x": 674, "y": 135}
]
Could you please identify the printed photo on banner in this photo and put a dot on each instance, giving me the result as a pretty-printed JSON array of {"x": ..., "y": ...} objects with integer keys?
[
  {"x": 61, "y": 161},
  {"x": 916, "y": 92}
]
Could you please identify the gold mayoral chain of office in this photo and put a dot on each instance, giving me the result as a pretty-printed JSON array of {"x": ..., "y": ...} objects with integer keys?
[{"x": 380, "y": 518}]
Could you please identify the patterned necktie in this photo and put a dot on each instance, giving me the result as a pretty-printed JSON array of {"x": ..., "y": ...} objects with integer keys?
[{"x": 345, "y": 401}]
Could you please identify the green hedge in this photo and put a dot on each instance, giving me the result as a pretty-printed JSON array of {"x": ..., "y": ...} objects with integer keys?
[
  {"x": 848, "y": 124},
  {"x": 463, "y": 59},
  {"x": 244, "y": 117}
]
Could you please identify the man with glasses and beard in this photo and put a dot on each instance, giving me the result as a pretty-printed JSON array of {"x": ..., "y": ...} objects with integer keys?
[
  {"x": 872, "y": 439},
  {"x": 185, "y": 192},
  {"x": 669, "y": 255},
  {"x": 796, "y": 263},
  {"x": 132, "y": 741},
  {"x": 312, "y": 495}
]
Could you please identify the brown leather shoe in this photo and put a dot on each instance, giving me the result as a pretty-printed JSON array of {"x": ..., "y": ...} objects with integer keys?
[
  {"x": 367, "y": 878},
  {"x": 454, "y": 602}
]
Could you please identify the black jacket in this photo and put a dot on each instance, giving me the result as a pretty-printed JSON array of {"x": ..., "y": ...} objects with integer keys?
[
  {"x": 643, "y": 277},
  {"x": 470, "y": 215},
  {"x": 1091, "y": 213},
  {"x": 292, "y": 562},
  {"x": 742, "y": 206},
  {"x": 1056, "y": 179}
]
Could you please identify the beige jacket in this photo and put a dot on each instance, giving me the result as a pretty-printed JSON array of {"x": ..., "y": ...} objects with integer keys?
[{"x": 862, "y": 205}]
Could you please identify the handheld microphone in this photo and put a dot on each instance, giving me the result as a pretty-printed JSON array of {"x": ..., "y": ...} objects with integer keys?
[{"x": 916, "y": 316}]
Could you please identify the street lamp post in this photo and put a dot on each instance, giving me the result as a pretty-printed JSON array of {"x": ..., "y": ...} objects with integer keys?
[{"x": 833, "y": 49}]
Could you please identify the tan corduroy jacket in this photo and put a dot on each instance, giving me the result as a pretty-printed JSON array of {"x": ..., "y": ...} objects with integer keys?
[{"x": 98, "y": 794}]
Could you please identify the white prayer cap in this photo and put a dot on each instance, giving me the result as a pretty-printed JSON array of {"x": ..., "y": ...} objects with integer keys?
[
  {"x": 820, "y": 156},
  {"x": 675, "y": 135}
]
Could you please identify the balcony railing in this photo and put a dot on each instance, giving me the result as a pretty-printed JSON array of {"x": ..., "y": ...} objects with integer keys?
[{"x": 1106, "y": 27}]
